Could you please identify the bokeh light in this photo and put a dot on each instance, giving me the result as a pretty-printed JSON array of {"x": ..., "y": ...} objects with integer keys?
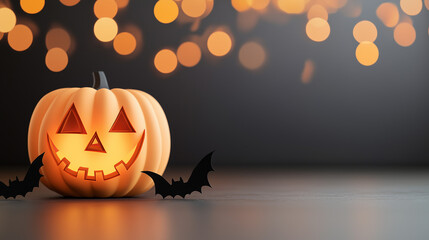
[
  {"x": 134, "y": 30},
  {"x": 209, "y": 8},
  {"x": 335, "y": 4},
  {"x": 32, "y": 25},
  {"x": 195, "y": 25},
  {"x": 105, "y": 8},
  {"x": 69, "y": 3},
  {"x": 259, "y": 4},
  {"x": 404, "y": 34},
  {"x": 307, "y": 71},
  {"x": 20, "y": 38},
  {"x": 7, "y": 19},
  {"x": 388, "y": 14},
  {"x": 252, "y": 55},
  {"x": 105, "y": 29},
  {"x": 406, "y": 18},
  {"x": 166, "y": 11},
  {"x": 292, "y": 6},
  {"x": 241, "y": 5},
  {"x": 189, "y": 54},
  {"x": 194, "y": 8},
  {"x": 247, "y": 20},
  {"x": 219, "y": 43},
  {"x": 411, "y": 7},
  {"x": 367, "y": 53},
  {"x": 317, "y": 11},
  {"x": 352, "y": 9},
  {"x": 125, "y": 43},
  {"x": 122, "y": 3},
  {"x": 58, "y": 37},
  {"x": 56, "y": 59},
  {"x": 318, "y": 29},
  {"x": 32, "y": 6},
  {"x": 165, "y": 61},
  {"x": 365, "y": 31}
]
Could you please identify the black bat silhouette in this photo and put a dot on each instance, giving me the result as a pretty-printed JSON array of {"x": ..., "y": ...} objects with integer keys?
[
  {"x": 196, "y": 181},
  {"x": 30, "y": 181}
]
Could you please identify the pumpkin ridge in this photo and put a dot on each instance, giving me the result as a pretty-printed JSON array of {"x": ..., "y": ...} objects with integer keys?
[
  {"x": 155, "y": 104},
  {"x": 124, "y": 97},
  {"x": 147, "y": 108}
]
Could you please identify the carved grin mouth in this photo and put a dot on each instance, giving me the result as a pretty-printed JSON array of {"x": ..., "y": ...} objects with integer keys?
[{"x": 53, "y": 149}]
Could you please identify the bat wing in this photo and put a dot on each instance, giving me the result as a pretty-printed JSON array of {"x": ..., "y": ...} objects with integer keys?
[
  {"x": 31, "y": 180},
  {"x": 199, "y": 178},
  {"x": 196, "y": 181},
  {"x": 162, "y": 187},
  {"x": 33, "y": 175},
  {"x": 4, "y": 190}
]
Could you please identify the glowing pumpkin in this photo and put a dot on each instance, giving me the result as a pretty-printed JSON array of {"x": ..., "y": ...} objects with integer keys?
[{"x": 97, "y": 141}]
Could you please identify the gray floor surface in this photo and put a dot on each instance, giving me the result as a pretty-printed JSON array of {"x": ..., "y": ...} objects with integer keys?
[{"x": 243, "y": 204}]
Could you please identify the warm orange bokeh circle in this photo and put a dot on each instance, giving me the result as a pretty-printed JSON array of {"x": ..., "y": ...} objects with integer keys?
[{"x": 97, "y": 141}]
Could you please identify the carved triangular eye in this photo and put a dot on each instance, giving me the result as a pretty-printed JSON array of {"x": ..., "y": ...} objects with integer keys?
[
  {"x": 122, "y": 123},
  {"x": 72, "y": 123}
]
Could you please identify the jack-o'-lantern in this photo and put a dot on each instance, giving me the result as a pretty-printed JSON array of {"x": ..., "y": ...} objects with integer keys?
[{"x": 97, "y": 141}]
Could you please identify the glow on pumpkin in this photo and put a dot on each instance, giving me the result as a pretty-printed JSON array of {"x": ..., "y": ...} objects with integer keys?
[{"x": 97, "y": 142}]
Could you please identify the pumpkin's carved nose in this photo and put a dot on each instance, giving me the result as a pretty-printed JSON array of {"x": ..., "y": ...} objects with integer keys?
[{"x": 95, "y": 144}]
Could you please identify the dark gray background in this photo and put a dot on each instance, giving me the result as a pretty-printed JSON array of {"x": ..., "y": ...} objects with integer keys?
[{"x": 348, "y": 114}]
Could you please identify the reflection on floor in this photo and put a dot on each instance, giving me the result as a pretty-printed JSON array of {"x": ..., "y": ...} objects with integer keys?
[{"x": 243, "y": 204}]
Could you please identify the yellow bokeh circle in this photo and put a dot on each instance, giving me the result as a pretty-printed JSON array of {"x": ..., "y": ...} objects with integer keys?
[
  {"x": 292, "y": 6},
  {"x": 20, "y": 38},
  {"x": 241, "y": 5},
  {"x": 367, "y": 53},
  {"x": 56, "y": 59},
  {"x": 7, "y": 20},
  {"x": 318, "y": 29},
  {"x": 219, "y": 43},
  {"x": 404, "y": 34},
  {"x": 125, "y": 43},
  {"x": 165, "y": 61},
  {"x": 32, "y": 6},
  {"x": 365, "y": 31},
  {"x": 388, "y": 13},
  {"x": 189, "y": 54},
  {"x": 411, "y": 7},
  {"x": 105, "y": 8},
  {"x": 105, "y": 29},
  {"x": 194, "y": 8},
  {"x": 166, "y": 11}
]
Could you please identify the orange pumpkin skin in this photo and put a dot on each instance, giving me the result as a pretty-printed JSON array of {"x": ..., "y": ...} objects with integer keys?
[{"x": 97, "y": 142}]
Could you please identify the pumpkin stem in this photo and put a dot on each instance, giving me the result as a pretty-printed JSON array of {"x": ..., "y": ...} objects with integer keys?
[{"x": 100, "y": 80}]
